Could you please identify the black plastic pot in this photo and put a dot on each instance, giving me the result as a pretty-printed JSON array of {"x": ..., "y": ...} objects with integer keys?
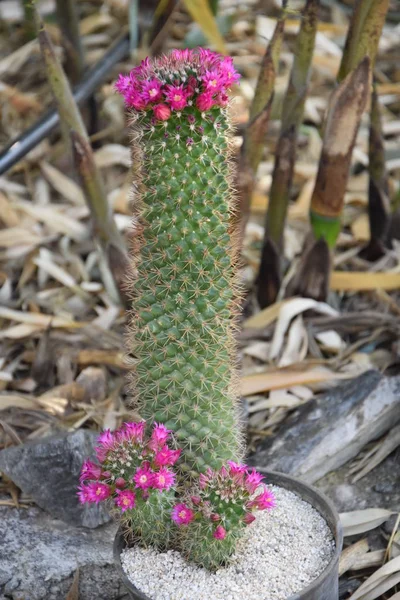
[{"x": 325, "y": 587}]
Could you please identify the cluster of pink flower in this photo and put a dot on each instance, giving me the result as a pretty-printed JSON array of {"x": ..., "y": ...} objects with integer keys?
[
  {"x": 231, "y": 490},
  {"x": 197, "y": 77},
  {"x": 129, "y": 465}
]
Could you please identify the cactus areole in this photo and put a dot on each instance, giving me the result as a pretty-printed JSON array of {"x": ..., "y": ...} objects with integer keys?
[{"x": 183, "y": 279}]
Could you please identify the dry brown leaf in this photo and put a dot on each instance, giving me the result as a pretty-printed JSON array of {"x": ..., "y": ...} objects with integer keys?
[
  {"x": 113, "y": 154},
  {"x": 283, "y": 379},
  {"x": 379, "y": 582},
  {"x": 17, "y": 236},
  {"x": 73, "y": 593},
  {"x": 265, "y": 317},
  {"x": 8, "y": 216},
  {"x": 350, "y": 555},
  {"x": 360, "y": 228},
  {"x": 389, "y": 444},
  {"x": 360, "y": 521},
  {"x": 33, "y": 318},
  {"x": 66, "y": 187},
  {"x": 290, "y": 309},
  {"x": 17, "y": 401},
  {"x": 13, "y": 62},
  {"x": 356, "y": 281},
  {"x": 56, "y": 220},
  {"x": 95, "y": 21},
  {"x": 18, "y": 332}
]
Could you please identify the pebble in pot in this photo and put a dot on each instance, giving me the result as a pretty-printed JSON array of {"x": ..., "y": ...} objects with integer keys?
[{"x": 177, "y": 479}]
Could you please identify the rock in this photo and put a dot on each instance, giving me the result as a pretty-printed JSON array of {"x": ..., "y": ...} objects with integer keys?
[
  {"x": 379, "y": 488},
  {"x": 48, "y": 469},
  {"x": 39, "y": 556},
  {"x": 327, "y": 432}
]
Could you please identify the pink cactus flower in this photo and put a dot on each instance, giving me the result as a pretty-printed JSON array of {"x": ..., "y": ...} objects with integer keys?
[
  {"x": 143, "y": 478},
  {"x": 253, "y": 480},
  {"x": 212, "y": 81},
  {"x": 162, "y": 112},
  {"x": 163, "y": 479},
  {"x": 125, "y": 500},
  {"x": 166, "y": 457},
  {"x": 176, "y": 96},
  {"x": 219, "y": 533},
  {"x": 135, "y": 431},
  {"x": 205, "y": 101},
  {"x": 182, "y": 514},
  {"x": 159, "y": 436},
  {"x": 90, "y": 471},
  {"x": 83, "y": 494},
  {"x": 152, "y": 90},
  {"x": 120, "y": 482},
  {"x": 236, "y": 468},
  {"x": 249, "y": 518},
  {"x": 97, "y": 492},
  {"x": 264, "y": 501}
]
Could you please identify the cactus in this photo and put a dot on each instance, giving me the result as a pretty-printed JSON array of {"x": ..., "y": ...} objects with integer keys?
[
  {"x": 183, "y": 288},
  {"x": 135, "y": 472},
  {"x": 184, "y": 298}
]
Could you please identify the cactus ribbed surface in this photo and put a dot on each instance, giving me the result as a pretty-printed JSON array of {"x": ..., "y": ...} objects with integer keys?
[{"x": 183, "y": 290}]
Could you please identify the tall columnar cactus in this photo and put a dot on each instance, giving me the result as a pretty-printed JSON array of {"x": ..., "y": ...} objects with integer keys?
[
  {"x": 183, "y": 276},
  {"x": 184, "y": 303}
]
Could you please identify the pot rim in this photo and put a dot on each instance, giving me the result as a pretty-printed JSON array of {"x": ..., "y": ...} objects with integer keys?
[{"x": 326, "y": 508}]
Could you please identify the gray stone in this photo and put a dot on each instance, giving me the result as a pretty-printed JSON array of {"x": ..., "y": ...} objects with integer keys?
[
  {"x": 324, "y": 434},
  {"x": 379, "y": 488},
  {"x": 48, "y": 469},
  {"x": 39, "y": 556}
]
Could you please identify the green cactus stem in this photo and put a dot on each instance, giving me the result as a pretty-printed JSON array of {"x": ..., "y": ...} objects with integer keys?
[{"x": 183, "y": 290}]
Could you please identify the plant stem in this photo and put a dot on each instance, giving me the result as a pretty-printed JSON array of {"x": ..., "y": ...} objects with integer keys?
[
  {"x": 364, "y": 33},
  {"x": 67, "y": 16},
  {"x": 292, "y": 116},
  {"x": 29, "y": 22},
  {"x": 378, "y": 193},
  {"x": 346, "y": 107},
  {"x": 106, "y": 231}
]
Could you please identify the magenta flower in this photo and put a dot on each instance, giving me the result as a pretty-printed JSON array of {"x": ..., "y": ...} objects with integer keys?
[
  {"x": 182, "y": 514},
  {"x": 176, "y": 96},
  {"x": 264, "y": 501},
  {"x": 83, "y": 494},
  {"x": 120, "y": 482},
  {"x": 236, "y": 468},
  {"x": 125, "y": 500},
  {"x": 229, "y": 75},
  {"x": 159, "y": 436},
  {"x": 135, "y": 431},
  {"x": 212, "y": 81},
  {"x": 166, "y": 457},
  {"x": 205, "y": 101},
  {"x": 97, "y": 492},
  {"x": 143, "y": 478},
  {"x": 162, "y": 112},
  {"x": 107, "y": 442},
  {"x": 152, "y": 90},
  {"x": 253, "y": 480},
  {"x": 219, "y": 533},
  {"x": 164, "y": 479},
  {"x": 249, "y": 518},
  {"x": 89, "y": 471}
]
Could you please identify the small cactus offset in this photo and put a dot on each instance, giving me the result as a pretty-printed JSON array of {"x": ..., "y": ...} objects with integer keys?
[
  {"x": 182, "y": 289},
  {"x": 197, "y": 499},
  {"x": 135, "y": 473}
]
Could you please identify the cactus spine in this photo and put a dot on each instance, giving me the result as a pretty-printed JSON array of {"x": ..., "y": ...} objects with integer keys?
[{"x": 183, "y": 273}]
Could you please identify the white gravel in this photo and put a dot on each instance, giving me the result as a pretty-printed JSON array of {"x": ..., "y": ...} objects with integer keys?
[{"x": 284, "y": 550}]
